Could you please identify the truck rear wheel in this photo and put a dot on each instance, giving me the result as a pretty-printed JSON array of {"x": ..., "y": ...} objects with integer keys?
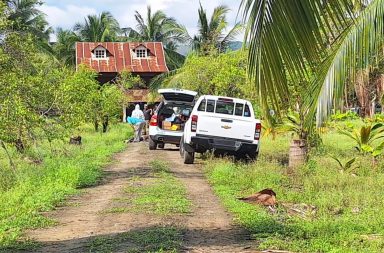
[
  {"x": 253, "y": 156},
  {"x": 152, "y": 144},
  {"x": 189, "y": 157}
]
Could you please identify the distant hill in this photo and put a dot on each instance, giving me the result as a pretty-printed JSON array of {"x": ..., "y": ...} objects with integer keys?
[
  {"x": 233, "y": 46},
  {"x": 184, "y": 49}
]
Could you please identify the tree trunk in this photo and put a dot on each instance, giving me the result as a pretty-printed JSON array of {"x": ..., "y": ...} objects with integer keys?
[
  {"x": 105, "y": 123},
  {"x": 9, "y": 156},
  {"x": 19, "y": 145},
  {"x": 346, "y": 103},
  {"x": 75, "y": 140},
  {"x": 363, "y": 92},
  {"x": 298, "y": 153},
  {"x": 380, "y": 90},
  {"x": 96, "y": 124}
]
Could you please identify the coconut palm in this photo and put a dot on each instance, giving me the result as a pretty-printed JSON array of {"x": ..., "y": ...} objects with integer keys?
[
  {"x": 319, "y": 43},
  {"x": 211, "y": 33},
  {"x": 323, "y": 42},
  {"x": 98, "y": 28},
  {"x": 64, "y": 48},
  {"x": 160, "y": 28},
  {"x": 25, "y": 16}
]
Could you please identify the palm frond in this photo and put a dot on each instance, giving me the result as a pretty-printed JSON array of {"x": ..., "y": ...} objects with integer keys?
[
  {"x": 352, "y": 51},
  {"x": 231, "y": 35}
]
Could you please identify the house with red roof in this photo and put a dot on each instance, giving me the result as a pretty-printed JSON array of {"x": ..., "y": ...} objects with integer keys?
[{"x": 146, "y": 59}]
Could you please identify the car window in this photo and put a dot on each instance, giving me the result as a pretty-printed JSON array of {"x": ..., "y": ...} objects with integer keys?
[
  {"x": 201, "y": 107},
  {"x": 224, "y": 107},
  {"x": 239, "y": 109},
  {"x": 211, "y": 106},
  {"x": 247, "y": 111}
]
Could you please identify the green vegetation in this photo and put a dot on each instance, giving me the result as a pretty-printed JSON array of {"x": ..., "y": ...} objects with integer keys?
[
  {"x": 321, "y": 207},
  {"x": 159, "y": 27},
  {"x": 47, "y": 175},
  {"x": 223, "y": 74},
  {"x": 337, "y": 43},
  {"x": 98, "y": 28},
  {"x": 151, "y": 240},
  {"x": 211, "y": 37},
  {"x": 160, "y": 194}
]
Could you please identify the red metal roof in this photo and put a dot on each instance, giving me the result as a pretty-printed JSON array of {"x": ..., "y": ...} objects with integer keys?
[{"x": 121, "y": 57}]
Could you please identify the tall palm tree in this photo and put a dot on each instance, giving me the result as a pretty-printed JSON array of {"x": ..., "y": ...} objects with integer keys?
[
  {"x": 26, "y": 17},
  {"x": 322, "y": 42},
  {"x": 157, "y": 27},
  {"x": 98, "y": 28},
  {"x": 212, "y": 34},
  {"x": 64, "y": 48}
]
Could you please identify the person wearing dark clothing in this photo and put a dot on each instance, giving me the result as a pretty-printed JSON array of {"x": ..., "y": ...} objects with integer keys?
[{"x": 147, "y": 116}]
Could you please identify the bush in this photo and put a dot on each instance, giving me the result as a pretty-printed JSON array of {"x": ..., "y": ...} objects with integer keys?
[{"x": 349, "y": 115}]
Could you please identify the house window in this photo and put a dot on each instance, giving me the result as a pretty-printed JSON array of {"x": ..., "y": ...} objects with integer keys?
[
  {"x": 141, "y": 53},
  {"x": 100, "y": 53}
]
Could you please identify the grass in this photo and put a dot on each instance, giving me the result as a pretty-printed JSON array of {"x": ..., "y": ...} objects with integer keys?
[
  {"x": 150, "y": 240},
  {"x": 63, "y": 169},
  {"x": 348, "y": 206},
  {"x": 160, "y": 193}
]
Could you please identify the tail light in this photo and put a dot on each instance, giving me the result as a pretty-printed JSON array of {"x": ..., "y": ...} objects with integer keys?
[
  {"x": 153, "y": 121},
  {"x": 257, "y": 131},
  {"x": 194, "y": 123}
]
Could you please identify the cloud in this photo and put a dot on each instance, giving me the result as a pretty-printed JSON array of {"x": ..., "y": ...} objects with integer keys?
[
  {"x": 66, "y": 16},
  {"x": 161, "y": 4}
]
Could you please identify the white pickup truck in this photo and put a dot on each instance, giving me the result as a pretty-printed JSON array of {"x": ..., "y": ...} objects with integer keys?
[{"x": 223, "y": 124}]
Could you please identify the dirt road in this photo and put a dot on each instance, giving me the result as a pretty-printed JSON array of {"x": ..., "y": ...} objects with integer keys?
[{"x": 208, "y": 228}]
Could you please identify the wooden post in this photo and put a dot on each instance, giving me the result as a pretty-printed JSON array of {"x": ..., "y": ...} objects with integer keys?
[{"x": 124, "y": 113}]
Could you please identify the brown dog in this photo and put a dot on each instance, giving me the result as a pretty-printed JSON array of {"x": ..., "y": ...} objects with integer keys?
[{"x": 266, "y": 197}]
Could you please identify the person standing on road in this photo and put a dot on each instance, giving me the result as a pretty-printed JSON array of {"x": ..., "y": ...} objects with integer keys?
[
  {"x": 147, "y": 118},
  {"x": 137, "y": 119}
]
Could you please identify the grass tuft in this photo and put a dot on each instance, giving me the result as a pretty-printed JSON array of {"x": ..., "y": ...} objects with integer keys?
[
  {"x": 159, "y": 166},
  {"x": 151, "y": 240}
]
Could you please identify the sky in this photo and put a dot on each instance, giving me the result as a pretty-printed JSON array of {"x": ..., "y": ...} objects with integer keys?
[{"x": 66, "y": 13}]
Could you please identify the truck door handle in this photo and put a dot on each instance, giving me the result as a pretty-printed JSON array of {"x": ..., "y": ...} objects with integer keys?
[{"x": 226, "y": 120}]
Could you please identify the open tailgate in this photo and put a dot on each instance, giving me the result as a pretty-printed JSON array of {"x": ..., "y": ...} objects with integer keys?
[{"x": 178, "y": 95}]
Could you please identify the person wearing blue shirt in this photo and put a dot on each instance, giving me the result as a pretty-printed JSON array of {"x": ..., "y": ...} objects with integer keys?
[{"x": 137, "y": 120}]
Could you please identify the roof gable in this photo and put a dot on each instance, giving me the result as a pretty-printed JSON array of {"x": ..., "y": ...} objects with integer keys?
[
  {"x": 121, "y": 56},
  {"x": 100, "y": 47}
]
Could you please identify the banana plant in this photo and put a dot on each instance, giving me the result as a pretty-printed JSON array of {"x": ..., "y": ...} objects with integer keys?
[{"x": 366, "y": 138}]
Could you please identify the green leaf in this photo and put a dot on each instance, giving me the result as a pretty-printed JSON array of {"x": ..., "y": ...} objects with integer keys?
[
  {"x": 367, "y": 148},
  {"x": 349, "y": 163}
]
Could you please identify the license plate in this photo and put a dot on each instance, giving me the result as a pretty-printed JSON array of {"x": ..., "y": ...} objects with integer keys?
[{"x": 224, "y": 142}]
